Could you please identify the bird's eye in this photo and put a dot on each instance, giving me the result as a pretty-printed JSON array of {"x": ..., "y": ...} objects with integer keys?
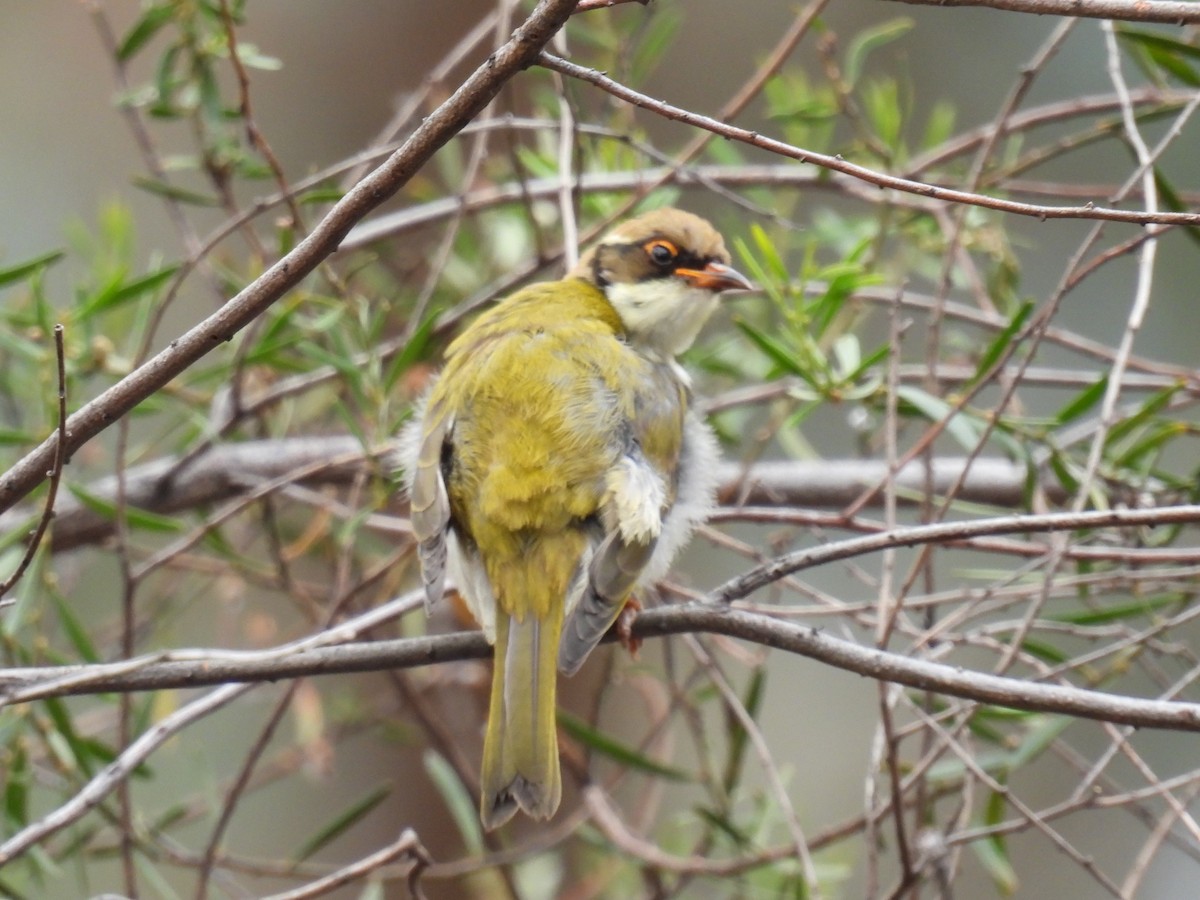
[{"x": 662, "y": 253}]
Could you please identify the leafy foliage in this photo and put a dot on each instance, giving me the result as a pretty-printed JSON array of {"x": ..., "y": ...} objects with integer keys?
[{"x": 886, "y": 327}]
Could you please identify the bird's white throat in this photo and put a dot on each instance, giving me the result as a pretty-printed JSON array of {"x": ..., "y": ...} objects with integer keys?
[{"x": 663, "y": 314}]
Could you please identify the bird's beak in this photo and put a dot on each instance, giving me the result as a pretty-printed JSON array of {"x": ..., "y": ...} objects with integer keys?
[{"x": 716, "y": 277}]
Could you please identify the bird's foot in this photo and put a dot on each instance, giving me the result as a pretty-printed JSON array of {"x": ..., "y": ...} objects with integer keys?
[{"x": 625, "y": 619}]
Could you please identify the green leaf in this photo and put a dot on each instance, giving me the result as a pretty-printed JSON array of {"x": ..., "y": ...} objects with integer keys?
[
  {"x": 163, "y": 189},
  {"x": 885, "y": 110},
  {"x": 115, "y": 295},
  {"x": 1167, "y": 53},
  {"x": 1002, "y": 341},
  {"x": 1150, "y": 443},
  {"x": 1043, "y": 651},
  {"x": 16, "y": 788},
  {"x": 1063, "y": 470},
  {"x": 458, "y": 801},
  {"x": 11, "y": 436},
  {"x": 1153, "y": 405},
  {"x": 28, "y": 593},
  {"x": 64, "y": 742},
  {"x": 992, "y": 851},
  {"x": 210, "y": 96},
  {"x": 1044, "y": 730},
  {"x": 168, "y": 817},
  {"x": 940, "y": 124},
  {"x": 1171, "y": 200},
  {"x": 136, "y": 518},
  {"x": 769, "y": 254},
  {"x": 412, "y": 352},
  {"x": 1083, "y": 401},
  {"x": 842, "y": 280},
  {"x": 657, "y": 33},
  {"x": 725, "y": 825},
  {"x": 773, "y": 349},
  {"x": 627, "y": 756},
  {"x": 869, "y": 40},
  {"x": 935, "y": 409},
  {"x": 739, "y": 739},
  {"x": 165, "y": 82},
  {"x": 23, "y": 270},
  {"x": 150, "y": 23},
  {"x": 320, "y": 196},
  {"x": 877, "y": 356},
  {"x": 349, "y": 817},
  {"x": 1119, "y": 612},
  {"x": 1158, "y": 39},
  {"x": 76, "y": 630}
]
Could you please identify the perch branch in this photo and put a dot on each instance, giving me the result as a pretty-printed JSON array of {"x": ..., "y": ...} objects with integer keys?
[{"x": 218, "y": 667}]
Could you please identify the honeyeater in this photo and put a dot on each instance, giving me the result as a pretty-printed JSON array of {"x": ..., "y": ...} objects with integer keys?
[{"x": 556, "y": 464}]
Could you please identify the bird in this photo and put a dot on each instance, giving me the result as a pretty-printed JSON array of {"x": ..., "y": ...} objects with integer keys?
[{"x": 557, "y": 465}]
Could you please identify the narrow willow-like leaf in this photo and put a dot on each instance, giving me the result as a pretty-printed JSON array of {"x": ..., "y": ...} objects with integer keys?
[
  {"x": 1120, "y": 612},
  {"x": 1082, "y": 402},
  {"x": 775, "y": 350},
  {"x": 23, "y": 270},
  {"x": 146, "y": 27},
  {"x": 738, "y": 736},
  {"x": 162, "y": 189},
  {"x": 458, "y": 801},
  {"x": 870, "y": 39},
  {"x": 76, "y": 630},
  {"x": 935, "y": 409},
  {"x": 1002, "y": 341},
  {"x": 340, "y": 823},
  {"x": 1153, "y": 405},
  {"x": 123, "y": 292},
  {"x": 992, "y": 851},
  {"x": 725, "y": 825},
  {"x": 137, "y": 518},
  {"x": 627, "y": 756}
]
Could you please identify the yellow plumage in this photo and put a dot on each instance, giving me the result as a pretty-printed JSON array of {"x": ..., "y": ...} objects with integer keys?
[{"x": 544, "y": 474}]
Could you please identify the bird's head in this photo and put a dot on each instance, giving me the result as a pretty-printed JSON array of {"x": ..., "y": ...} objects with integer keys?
[{"x": 662, "y": 272}]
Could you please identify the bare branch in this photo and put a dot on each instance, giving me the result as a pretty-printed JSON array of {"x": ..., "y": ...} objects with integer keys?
[
  {"x": 216, "y": 667},
  {"x": 407, "y": 844},
  {"x": 1167, "y": 12},
  {"x": 838, "y": 164},
  {"x": 748, "y": 582}
]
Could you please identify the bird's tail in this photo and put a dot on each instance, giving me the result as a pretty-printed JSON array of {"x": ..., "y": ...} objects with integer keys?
[{"x": 520, "y": 750}]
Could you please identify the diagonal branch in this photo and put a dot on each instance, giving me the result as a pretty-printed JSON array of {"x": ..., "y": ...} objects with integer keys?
[
  {"x": 838, "y": 164},
  {"x": 472, "y": 96}
]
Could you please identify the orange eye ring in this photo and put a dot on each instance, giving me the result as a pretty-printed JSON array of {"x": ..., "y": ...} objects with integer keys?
[{"x": 661, "y": 252}]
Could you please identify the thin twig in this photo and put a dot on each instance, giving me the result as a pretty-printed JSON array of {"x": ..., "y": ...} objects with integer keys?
[
  {"x": 837, "y": 164},
  {"x": 118, "y": 771},
  {"x": 55, "y": 474},
  {"x": 1168, "y": 12},
  {"x": 408, "y": 844}
]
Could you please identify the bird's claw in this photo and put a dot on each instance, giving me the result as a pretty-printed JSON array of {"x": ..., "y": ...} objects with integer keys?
[{"x": 625, "y": 619}]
